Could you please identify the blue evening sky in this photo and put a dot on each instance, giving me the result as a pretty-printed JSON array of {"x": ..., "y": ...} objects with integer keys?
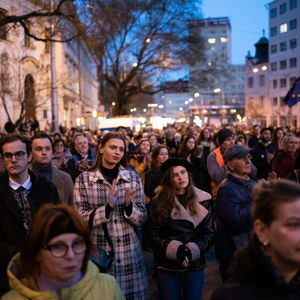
[{"x": 247, "y": 17}]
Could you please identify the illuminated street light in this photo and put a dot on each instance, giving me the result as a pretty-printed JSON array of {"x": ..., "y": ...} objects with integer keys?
[
  {"x": 218, "y": 90},
  {"x": 135, "y": 64},
  {"x": 197, "y": 94},
  {"x": 255, "y": 70},
  {"x": 113, "y": 103},
  {"x": 180, "y": 108},
  {"x": 144, "y": 110},
  {"x": 148, "y": 40},
  {"x": 264, "y": 68},
  {"x": 186, "y": 102},
  {"x": 191, "y": 99}
]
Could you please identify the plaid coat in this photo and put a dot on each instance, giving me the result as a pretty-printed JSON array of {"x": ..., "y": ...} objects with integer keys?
[{"x": 92, "y": 191}]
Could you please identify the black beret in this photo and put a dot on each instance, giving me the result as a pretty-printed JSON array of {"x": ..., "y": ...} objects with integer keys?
[
  {"x": 174, "y": 162},
  {"x": 236, "y": 151}
]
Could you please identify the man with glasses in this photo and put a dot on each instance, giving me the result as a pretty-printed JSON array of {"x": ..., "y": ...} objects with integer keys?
[
  {"x": 233, "y": 206},
  {"x": 22, "y": 193}
]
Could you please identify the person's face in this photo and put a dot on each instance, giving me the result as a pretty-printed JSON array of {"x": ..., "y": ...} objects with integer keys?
[
  {"x": 81, "y": 145},
  {"x": 190, "y": 144},
  {"x": 240, "y": 166},
  {"x": 282, "y": 236},
  {"x": 145, "y": 147},
  {"x": 41, "y": 151},
  {"x": 59, "y": 148},
  {"x": 180, "y": 178},
  {"x": 206, "y": 134},
  {"x": 229, "y": 142},
  {"x": 112, "y": 152},
  {"x": 266, "y": 136},
  {"x": 256, "y": 131},
  {"x": 292, "y": 145},
  {"x": 61, "y": 268},
  {"x": 163, "y": 155},
  {"x": 153, "y": 140},
  {"x": 16, "y": 166},
  {"x": 279, "y": 134}
]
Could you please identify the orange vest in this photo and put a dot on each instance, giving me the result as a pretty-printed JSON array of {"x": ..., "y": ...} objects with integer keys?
[{"x": 220, "y": 161}]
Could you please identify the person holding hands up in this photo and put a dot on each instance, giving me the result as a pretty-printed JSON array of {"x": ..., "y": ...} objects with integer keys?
[{"x": 111, "y": 195}]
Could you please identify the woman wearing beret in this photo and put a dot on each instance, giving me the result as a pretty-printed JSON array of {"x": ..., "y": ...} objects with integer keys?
[{"x": 179, "y": 232}]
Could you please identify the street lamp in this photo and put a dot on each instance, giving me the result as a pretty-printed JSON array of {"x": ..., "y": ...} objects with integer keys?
[{"x": 217, "y": 91}]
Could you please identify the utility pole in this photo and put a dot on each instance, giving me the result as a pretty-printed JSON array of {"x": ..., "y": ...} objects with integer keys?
[{"x": 54, "y": 104}]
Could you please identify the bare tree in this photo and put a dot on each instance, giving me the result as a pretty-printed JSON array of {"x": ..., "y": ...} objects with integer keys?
[
  {"x": 137, "y": 41},
  {"x": 59, "y": 15}
]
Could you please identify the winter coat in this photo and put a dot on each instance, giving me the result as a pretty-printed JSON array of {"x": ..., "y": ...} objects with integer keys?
[
  {"x": 259, "y": 159},
  {"x": 254, "y": 277},
  {"x": 12, "y": 231},
  {"x": 196, "y": 232},
  {"x": 234, "y": 205},
  {"x": 152, "y": 181},
  {"x": 92, "y": 191},
  {"x": 283, "y": 164},
  {"x": 93, "y": 285}
]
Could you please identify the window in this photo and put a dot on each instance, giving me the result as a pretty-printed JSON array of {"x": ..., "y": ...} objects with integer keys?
[
  {"x": 292, "y": 81},
  {"x": 273, "y": 31},
  {"x": 293, "y": 24},
  {"x": 293, "y": 4},
  {"x": 275, "y": 102},
  {"x": 224, "y": 40},
  {"x": 293, "y": 43},
  {"x": 211, "y": 40},
  {"x": 273, "y": 66},
  {"x": 273, "y": 13},
  {"x": 282, "y": 8},
  {"x": 282, "y": 46},
  {"x": 3, "y": 29},
  {"x": 274, "y": 84},
  {"x": 261, "y": 80},
  {"x": 250, "y": 82},
  {"x": 283, "y": 28},
  {"x": 273, "y": 49},
  {"x": 45, "y": 114},
  {"x": 282, "y": 64},
  {"x": 282, "y": 82},
  {"x": 281, "y": 101},
  {"x": 26, "y": 37},
  {"x": 293, "y": 62}
]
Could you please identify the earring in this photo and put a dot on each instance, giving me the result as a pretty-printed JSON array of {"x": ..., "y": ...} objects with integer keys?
[{"x": 265, "y": 244}]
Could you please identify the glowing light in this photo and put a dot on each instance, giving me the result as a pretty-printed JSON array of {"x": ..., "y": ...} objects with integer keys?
[
  {"x": 255, "y": 70},
  {"x": 196, "y": 94},
  {"x": 264, "y": 68},
  {"x": 135, "y": 64},
  {"x": 218, "y": 90},
  {"x": 211, "y": 40},
  {"x": 148, "y": 40},
  {"x": 113, "y": 103}
]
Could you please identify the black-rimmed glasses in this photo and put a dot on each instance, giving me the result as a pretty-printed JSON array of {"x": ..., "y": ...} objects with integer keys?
[
  {"x": 61, "y": 249},
  {"x": 18, "y": 155}
]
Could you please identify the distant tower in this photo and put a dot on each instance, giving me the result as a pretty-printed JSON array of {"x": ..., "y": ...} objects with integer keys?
[{"x": 262, "y": 50}]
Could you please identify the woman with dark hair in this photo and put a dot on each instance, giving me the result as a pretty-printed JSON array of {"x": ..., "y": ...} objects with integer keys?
[
  {"x": 277, "y": 138},
  {"x": 194, "y": 155},
  {"x": 152, "y": 177},
  {"x": 54, "y": 262},
  {"x": 109, "y": 195},
  {"x": 269, "y": 267},
  {"x": 179, "y": 232},
  {"x": 61, "y": 155}
]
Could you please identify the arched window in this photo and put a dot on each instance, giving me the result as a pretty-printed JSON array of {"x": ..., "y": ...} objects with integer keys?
[{"x": 29, "y": 97}]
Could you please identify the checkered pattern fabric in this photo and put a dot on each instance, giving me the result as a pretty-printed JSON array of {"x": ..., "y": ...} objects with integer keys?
[{"x": 92, "y": 191}]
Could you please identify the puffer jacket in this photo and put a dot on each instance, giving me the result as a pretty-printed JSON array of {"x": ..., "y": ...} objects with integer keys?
[
  {"x": 196, "y": 232},
  {"x": 93, "y": 285}
]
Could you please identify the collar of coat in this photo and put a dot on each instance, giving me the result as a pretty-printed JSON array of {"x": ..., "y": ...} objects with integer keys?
[
  {"x": 123, "y": 174},
  {"x": 181, "y": 213}
]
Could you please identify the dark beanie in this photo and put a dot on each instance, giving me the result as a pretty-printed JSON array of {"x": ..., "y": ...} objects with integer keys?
[
  {"x": 224, "y": 134},
  {"x": 175, "y": 162}
]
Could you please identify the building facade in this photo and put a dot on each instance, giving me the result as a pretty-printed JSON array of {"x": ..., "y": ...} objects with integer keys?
[
  {"x": 25, "y": 85},
  {"x": 284, "y": 59}
]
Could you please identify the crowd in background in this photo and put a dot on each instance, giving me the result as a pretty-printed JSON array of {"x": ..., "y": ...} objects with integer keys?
[{"x": 175, "y": 192}]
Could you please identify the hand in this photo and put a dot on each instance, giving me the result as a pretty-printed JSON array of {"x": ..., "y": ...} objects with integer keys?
[
  {"x": 113, "y": 199},
  {"x": 184, "y": 255},
  {"x": 147, "y": 159},
  {"x": 272, "y": 176},
  {"x": 270, "y": 156},
  {"x": 128, "y": 197}
]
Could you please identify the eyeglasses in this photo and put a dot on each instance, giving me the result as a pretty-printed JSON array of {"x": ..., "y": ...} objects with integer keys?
[
  {"x": 61, "y": 249},
  {"x": 18, "y": 155}
]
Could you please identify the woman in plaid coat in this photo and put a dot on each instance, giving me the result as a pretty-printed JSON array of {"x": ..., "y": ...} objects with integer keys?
[{"x": 116, "y": 195}]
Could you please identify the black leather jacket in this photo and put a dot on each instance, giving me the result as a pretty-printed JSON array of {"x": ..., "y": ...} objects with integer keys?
[{"x": 158, "y": 236}]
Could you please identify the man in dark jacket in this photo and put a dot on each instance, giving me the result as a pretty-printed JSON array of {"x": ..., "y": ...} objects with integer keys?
[
  {"x": 263, "y": 154},
  {"x": 22, "y": 193},
  {"x": 233, "y": 206}
]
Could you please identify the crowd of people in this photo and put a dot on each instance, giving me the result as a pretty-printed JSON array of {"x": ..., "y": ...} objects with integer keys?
[{"x": 177, "y": 192}]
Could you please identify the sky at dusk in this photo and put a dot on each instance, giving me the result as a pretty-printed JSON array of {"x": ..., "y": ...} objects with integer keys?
[{"x": 247, "y": 17}]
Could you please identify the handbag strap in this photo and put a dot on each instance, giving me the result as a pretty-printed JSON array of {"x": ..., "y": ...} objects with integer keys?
[{"x": 104, "y": 226}]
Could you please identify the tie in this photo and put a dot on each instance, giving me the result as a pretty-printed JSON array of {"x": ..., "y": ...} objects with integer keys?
[{"x": 25, "y": 207}]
